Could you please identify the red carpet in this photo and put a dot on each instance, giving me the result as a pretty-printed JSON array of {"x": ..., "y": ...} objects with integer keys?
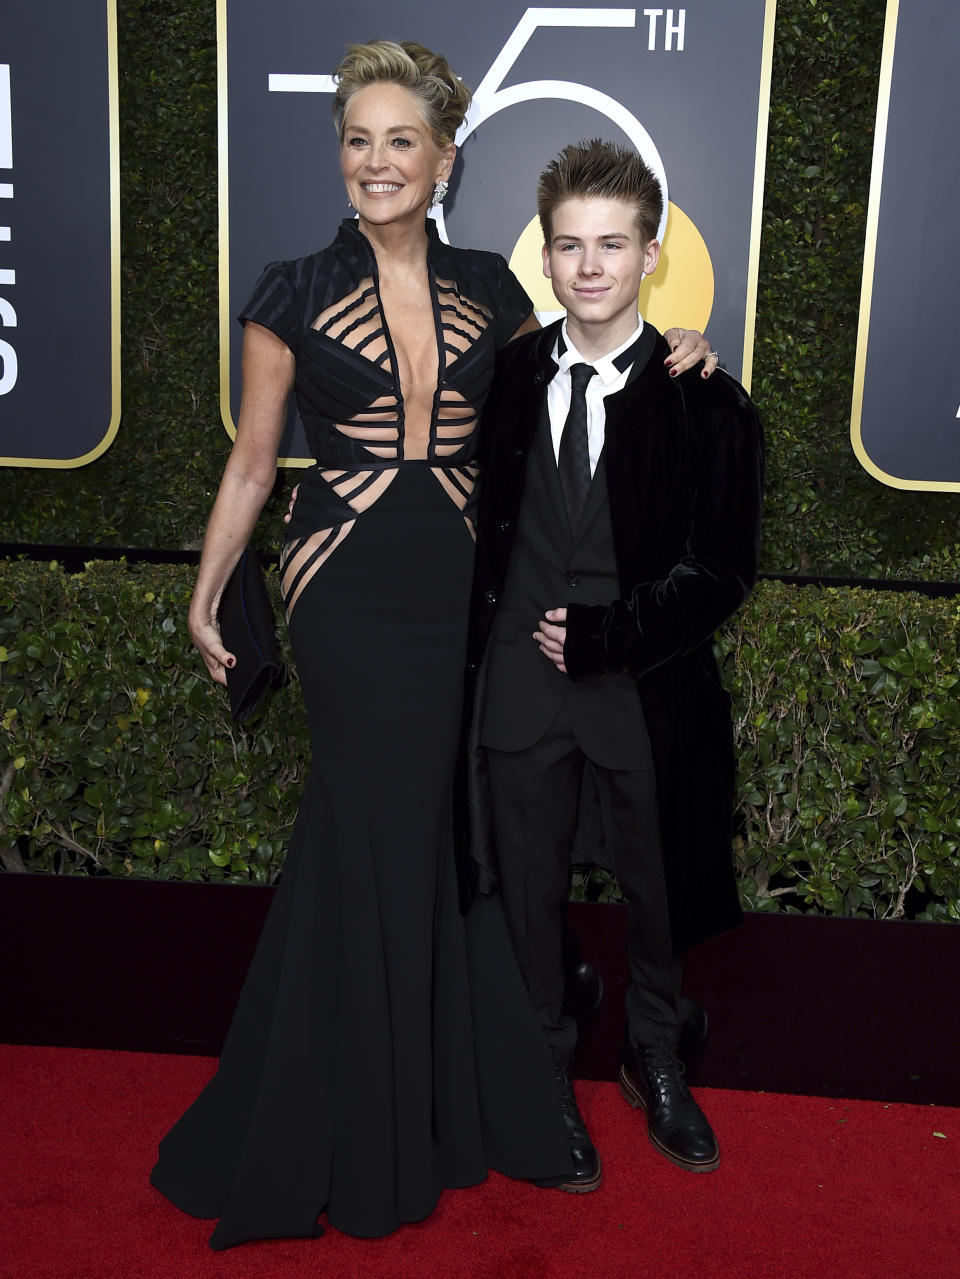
[{"x": 807, "y": 1187}]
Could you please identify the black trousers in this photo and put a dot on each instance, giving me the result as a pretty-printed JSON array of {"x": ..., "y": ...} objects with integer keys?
[{"x": 536, "y": 794}]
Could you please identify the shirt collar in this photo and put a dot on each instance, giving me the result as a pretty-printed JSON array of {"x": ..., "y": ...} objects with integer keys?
[{"x": 609, "y": 367}]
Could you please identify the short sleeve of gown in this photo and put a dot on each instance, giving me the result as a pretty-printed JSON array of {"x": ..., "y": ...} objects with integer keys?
[
  {"x": 273, "y": 303},
  {"x": 513, "y": 304}
]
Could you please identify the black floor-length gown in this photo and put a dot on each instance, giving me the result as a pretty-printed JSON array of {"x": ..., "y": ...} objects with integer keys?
[{"x": 383, "y": 1046}]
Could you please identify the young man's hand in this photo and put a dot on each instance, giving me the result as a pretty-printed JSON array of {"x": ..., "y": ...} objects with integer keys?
[
  {"x": 293, "y": 501},
  {"x": 551, "y": 635}
]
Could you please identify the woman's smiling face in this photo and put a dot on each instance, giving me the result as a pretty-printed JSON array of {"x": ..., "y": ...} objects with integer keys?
[{"x": 389, "y": 159}]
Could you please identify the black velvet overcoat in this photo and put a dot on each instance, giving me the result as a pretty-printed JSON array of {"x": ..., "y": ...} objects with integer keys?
[{"x": 684, "y": 465}]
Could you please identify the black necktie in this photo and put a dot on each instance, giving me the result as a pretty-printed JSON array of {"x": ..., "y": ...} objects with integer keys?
[{"x": 573, "y": 457}]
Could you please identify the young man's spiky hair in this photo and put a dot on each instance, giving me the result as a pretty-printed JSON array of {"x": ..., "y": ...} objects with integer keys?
[{"x": 605, "y": 171}]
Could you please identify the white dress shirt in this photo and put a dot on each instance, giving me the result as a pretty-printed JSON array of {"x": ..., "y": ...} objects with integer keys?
[{"x": 608, "y": 378}]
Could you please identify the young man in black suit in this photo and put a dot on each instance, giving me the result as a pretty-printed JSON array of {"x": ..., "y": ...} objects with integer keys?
[{"x": 618, "y": 528}]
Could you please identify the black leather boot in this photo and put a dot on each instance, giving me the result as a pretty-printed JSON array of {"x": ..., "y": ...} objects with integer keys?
[
  {"x": 651, "y": 1079},
  {"x": 587, "y": 1172}
]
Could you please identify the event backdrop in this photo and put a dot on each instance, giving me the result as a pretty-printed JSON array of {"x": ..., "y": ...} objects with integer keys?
[
  {"x": 59, "y": 238},
  {"x": 905, "y": 424},
  {"x": 687, "y": 86}
]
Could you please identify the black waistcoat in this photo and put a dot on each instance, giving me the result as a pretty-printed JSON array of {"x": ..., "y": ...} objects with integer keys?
[{"x": 550, "y": 567}]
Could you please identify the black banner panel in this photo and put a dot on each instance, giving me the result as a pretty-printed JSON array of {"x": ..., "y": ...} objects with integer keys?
[
  {"x": 59, "y": 233},
  {"x": 905, "y": 424},
  {"x": 687, "y": 87}
]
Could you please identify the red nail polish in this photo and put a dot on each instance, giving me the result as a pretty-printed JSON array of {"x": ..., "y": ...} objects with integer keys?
[{"x": 673, "y": 372}]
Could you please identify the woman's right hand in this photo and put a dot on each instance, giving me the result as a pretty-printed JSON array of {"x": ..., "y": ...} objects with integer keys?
[
  {"x": 268, "y": 368},
  {"x": 205, "y": 634}
]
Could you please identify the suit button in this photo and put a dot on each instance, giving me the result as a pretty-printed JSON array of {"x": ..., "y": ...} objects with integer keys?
[
  {"x": 573, "y": 580},
  {"x": 504, "y": 526},
  {"x": 518, "y": 453},
  {"x": 491, "y": 597},
  {"x": 471, "y": 668}
]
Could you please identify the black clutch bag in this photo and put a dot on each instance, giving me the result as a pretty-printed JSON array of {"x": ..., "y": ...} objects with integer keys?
[{"x": 249, "y": 632}]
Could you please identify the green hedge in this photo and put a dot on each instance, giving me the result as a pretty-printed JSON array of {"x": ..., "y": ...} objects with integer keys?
[
  {"x": 153, "y": 487},
  {"x": 118, "y": 757},
  {"x": 848, "y": 726}
]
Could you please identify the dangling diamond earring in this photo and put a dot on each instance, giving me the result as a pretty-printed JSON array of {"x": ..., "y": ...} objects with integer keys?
[{"x": 440, "y": 192}]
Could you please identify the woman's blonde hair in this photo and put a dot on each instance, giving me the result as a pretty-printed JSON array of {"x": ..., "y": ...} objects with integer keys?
[{"x": 444, "y": 99}]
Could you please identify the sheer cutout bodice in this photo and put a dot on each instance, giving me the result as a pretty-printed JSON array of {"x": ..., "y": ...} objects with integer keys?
[
  {"x": 387, "y": 427},
  {"x": 368, "y": 408}
]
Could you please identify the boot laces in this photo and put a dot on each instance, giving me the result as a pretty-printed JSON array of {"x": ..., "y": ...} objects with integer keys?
[
  {"x": 565, "y": 1085},
  {"x": 663, "y": 1059}
]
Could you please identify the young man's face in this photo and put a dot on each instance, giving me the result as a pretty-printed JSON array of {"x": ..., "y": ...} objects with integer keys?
[{"x": 595, "y": 261}]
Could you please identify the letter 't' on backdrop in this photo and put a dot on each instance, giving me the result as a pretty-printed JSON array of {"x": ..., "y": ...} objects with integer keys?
[
  {"x": 687, "y": 86},
  {"x": 59, "y": 233},
  {"x": 905, "y": 424}
]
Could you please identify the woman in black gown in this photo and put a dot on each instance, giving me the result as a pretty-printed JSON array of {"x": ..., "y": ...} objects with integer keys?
[{"x": 383, "y": 1046}]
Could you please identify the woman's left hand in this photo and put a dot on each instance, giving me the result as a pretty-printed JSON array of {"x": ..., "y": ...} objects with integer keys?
[{"x": 687, "y": 348}]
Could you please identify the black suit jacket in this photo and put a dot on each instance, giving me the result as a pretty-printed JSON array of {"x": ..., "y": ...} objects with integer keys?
[
  {"x": 551, "y": 562},
  {"x": 684, "y": 466}
]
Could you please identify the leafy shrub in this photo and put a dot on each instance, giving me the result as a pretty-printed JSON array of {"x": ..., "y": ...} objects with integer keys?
[
  {"x": 848, "y": 724},
  {"x": 118, "y": 757}
]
